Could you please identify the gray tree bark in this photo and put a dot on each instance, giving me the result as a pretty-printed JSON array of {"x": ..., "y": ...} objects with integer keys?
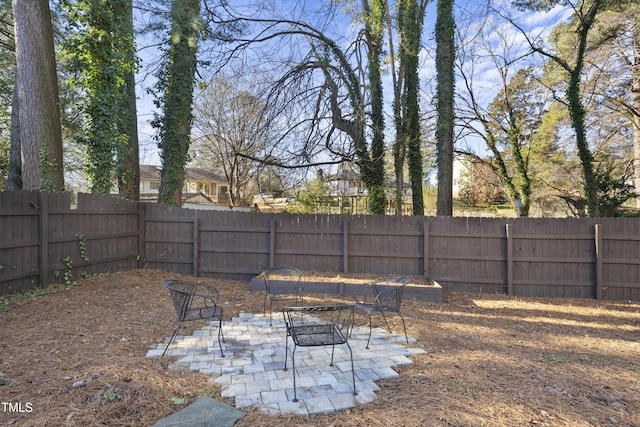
[
  {"x": 39, "y": 112},
  {"x": 14, "y": 175}
]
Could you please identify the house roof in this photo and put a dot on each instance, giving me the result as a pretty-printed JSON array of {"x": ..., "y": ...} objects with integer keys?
[
  {"x": 198, "y": 174},
  {"x": 149, "y": 173},
  {"x": 152, "y": 173},
  {"x": 345, "y": 175}
]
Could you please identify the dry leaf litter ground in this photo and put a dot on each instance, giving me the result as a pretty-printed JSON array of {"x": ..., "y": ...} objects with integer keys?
[{"x": 76, "y": 357}]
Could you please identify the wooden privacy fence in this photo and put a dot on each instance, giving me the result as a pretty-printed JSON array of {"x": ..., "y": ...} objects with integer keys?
[
  {"x": 584, "y": 258},
  {"x": 44, "y": 240}
]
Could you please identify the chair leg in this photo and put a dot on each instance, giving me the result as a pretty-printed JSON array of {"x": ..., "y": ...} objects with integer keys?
[
  {"x": 293, "y": 371},
  {"x": 286, "y": 351},
  {"x": 385, "y": 322},
  {"x": 403, "y": 325},
  {"x": 333, "y": 349},
  {"x": 405, "y": 328},
  {"x": 369, "y": 339},
  {"x": 173, "y": 336},
  {"x": 264, "y": 305},
  {"x": 353, "y": 373},
  {"x": 220, "y": 334}
]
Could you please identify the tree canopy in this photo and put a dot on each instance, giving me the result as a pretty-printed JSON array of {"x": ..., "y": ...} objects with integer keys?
[{"x": 535, "y": 90}]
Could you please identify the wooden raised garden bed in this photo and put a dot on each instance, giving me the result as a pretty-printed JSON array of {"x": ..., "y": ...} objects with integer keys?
[{"x": 358, "y": 285}]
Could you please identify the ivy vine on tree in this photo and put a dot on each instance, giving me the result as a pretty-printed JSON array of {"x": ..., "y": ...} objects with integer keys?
[
  {"x": 176, "y": 82},
  {"x": 100, "y": 51}
]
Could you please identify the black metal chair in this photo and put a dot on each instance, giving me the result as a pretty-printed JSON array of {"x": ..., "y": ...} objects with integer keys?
[
  {"x": 387, "y": 299},
  {"x": 194, "y": 301},
  {"x": 282, "y": 284},
  {"x": 314, "y": 326}
]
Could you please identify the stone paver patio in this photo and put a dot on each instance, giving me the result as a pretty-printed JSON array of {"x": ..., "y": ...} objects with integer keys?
[{"x": 252, "y": 369}]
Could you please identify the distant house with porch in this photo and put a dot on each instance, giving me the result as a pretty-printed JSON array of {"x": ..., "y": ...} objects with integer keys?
[
  {"x": 346, "y": 183},
  {"x": 348, "y": 187},
  {"x": 201, "y": 187}
]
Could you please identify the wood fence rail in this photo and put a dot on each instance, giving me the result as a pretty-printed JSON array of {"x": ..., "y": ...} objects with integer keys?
[{"x": 44, "y": 239}]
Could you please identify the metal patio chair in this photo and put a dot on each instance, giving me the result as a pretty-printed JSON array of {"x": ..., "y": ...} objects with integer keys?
[
  {"x": 387, "y": 300},
  {"x": 194, "y": 301},
  {"x": 282, "y": 284},
  {"x": 314, "y": 326}
]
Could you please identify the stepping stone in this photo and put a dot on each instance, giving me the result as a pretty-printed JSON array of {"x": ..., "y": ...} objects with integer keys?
[{"x": 204, "y": 412}]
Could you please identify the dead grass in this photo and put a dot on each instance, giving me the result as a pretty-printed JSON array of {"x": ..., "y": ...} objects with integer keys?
[{"x": 77, "y": 357}]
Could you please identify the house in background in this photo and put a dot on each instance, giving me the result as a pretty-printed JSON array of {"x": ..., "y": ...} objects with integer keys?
[
  {"x": 202, "y": 188},
  {"x": 348, "y": 188},
  {"x": 346, "y": 183}
]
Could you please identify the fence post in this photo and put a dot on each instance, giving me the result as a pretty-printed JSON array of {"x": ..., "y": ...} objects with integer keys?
[
  {"x": 142, "y": 214},
  {"x": 43, "y": 220},
  {"x": 196, "y": 243},
  {"x": 345, "y": 246},
  {"x": 425, "y": 249},
  {"x": 598, "y": 266},
  {"x": 272, "y": 242},
  {"x": 509, "y": 259}
]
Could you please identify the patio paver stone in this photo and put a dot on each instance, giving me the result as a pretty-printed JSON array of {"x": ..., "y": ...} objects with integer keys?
[{"x": 252, "y": 369}]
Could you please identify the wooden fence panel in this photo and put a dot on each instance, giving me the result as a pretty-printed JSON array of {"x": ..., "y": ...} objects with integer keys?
[
  {"x": 100, "y": 235},
  {"x": 233, "y": 245},
  {"x": 468, "y": 253},
  {"x": 309, "y": 242},
  {"x": 554, "y": 258},
  {"x": 620, "y": 258},
  {"x": 385, "y": 245},
  {"x": 43, "y": 238},
  {"x": 169, "y": 243},
  {"x": 19, "y": 241}
]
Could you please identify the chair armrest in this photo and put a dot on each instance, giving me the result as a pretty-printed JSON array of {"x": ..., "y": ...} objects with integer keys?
[{"x": 208, "y": 293}]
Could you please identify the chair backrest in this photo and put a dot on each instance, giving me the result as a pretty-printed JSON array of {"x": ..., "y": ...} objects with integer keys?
[
  {"x": 181, "y": 292},
  {"x": 389, "y": 292},
  {"x": 337, "y": 315},
  {"x": 283, "y": 280}
]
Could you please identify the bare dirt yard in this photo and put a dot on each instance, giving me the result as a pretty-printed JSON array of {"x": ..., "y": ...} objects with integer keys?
[{"x": 76, "y": 357}]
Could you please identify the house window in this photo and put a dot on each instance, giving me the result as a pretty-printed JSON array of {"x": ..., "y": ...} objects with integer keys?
[{"x": 153, "y": 185}]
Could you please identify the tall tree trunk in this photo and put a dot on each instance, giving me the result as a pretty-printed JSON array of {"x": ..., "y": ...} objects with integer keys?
[
  {"x": 14, "y": 175},
  {"x": 128, "y": 164},
  {"x": 399, "y": 146},
  {"x": 410, "y": 57},
  {"x": 374, "y": 26},
  {"x": 39, "y": 112},
  {"x": 635, "y": 105},
  {"x": 178, "y": 99},
  {"x": 445, "y": 57},
  {"x": 577, "y": 112},
  {"x": 406, "y": 105}
]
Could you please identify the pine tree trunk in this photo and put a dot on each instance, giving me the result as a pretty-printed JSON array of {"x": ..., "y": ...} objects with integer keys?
[
  {"x": 39, "y": 112},
  {"x": 14, "y": 175}
]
